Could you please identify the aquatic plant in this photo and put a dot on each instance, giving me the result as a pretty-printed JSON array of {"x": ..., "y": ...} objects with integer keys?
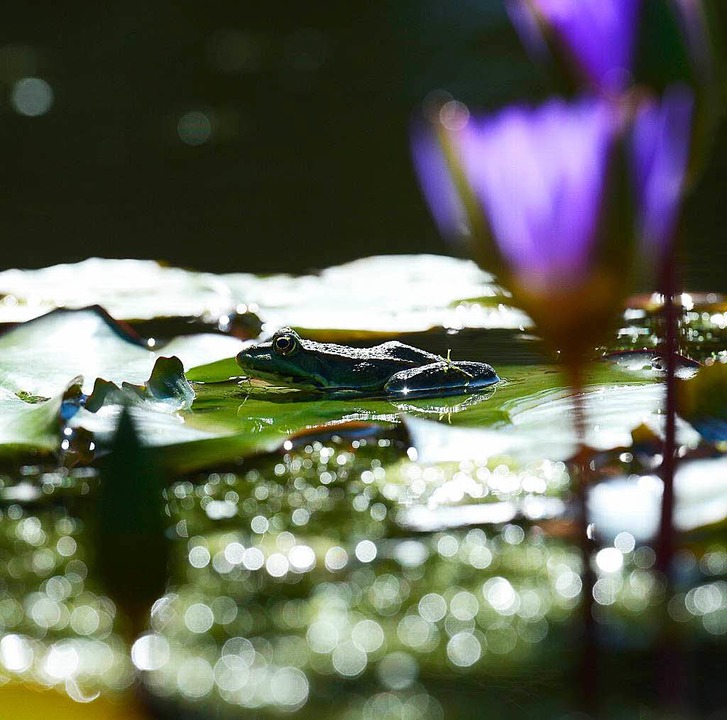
[
  {"x": 660, "y": 155},
  {"x": 661, "y": 151},
  {"x": 540, "y": 186},
  {"x": 555, "y": 197},
  {"x": 592, "y": 41},
  {"x": 542, "y": 190}
]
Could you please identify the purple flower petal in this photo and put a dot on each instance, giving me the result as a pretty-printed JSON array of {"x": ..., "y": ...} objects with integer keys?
[
  {"x": 597, "y": 35},
  {"x": 435, "y": 180},
  {"x": 660, "y": 147},
  {"x": 540, "y": 176}
]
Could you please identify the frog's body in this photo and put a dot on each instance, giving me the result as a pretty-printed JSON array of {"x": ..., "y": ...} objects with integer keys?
[{"x": 389, "y": 369}]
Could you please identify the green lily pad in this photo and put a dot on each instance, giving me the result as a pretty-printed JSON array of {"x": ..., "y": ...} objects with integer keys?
[
  {"x": 167, "y": 384},
  {"x": 528, "y": 415},
  {"x": 540, "y": 426},
  {"x": 612, "y": 412},
  {"x": 42, "y": 356},
  {"x": 155, "y": 425},
  {"x": 373, "y": 296},
  {"x": 152, "y": 407},
  {"x": 127, "y": 289},
  {"x": 382, "y": 295},
  {"x": 38, "y": 426},
  {"x": 29, "y": 426}
]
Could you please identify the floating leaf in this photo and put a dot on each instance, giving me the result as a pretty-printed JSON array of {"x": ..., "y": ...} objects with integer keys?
[
  {"x": 224, "y": 451},
  {"x": 127, "y": 289},
  {"x": 435, "y": 442},
  {"x": 220, "y": 371},
  {"x": 167, "y": 384},
  {"x": 157, "y": 424},
  {"x": 612, "y": 412},
  {"x": 153, "y": 406},
  {"x": 29, "y": 426},
  {"x": 530, "y": 417},
  {"x": 372, "y": 296},
  {"x": 650, "y": 365},
  {"x": 42, "y": 356},
  {"x": 382, "y": 295}
]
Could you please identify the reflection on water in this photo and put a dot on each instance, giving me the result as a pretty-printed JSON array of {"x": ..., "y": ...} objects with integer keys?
[
  {"x": 58, "y": 628},
  {"x": 295, "y": 587},
  {"x": 445, "y": 406},
  {"x": 313, "y": 590}
]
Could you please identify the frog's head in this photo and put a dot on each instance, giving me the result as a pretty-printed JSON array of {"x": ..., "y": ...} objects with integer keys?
[{"x": 285, "y": 357}]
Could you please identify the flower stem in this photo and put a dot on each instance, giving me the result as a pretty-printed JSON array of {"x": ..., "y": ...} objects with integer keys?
[
  {"x": 665, "y": 539},
  {"x": 588, "y": 680},
  {"x": 670, "y": 681}
]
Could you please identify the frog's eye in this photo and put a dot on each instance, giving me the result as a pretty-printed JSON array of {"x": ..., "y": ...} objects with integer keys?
[{"x": 285, "y": 344}]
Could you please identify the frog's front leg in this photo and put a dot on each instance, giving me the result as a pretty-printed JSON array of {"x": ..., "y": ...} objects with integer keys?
[{"x": 441, "y": 378}]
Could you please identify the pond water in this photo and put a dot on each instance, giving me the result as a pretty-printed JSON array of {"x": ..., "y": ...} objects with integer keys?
[{"x": 231, "y": 548}]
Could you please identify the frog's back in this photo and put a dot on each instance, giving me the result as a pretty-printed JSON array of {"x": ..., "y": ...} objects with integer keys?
[
  {"x": 396, "y": 349},
  {"x": 392, "y": 353}
]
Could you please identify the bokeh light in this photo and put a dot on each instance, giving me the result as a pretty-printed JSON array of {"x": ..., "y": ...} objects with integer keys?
[{"x": 32, "y": 97}]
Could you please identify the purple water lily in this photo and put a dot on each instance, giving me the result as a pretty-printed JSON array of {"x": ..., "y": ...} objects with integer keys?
[
  {"x": 545, "y": 199},
  {"x": 595, "y": 37},
  {"x": 660, "y": 145},
  {"x": 540, "y": 176}
]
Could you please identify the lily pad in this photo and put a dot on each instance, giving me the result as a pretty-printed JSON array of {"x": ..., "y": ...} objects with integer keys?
[
  {"x": 612, "y": 412},
  {"x": 29, "y": 426},
  {"x": 373, "y": 296},
  {"x": 530, "y": 417},
  {"x": 42, "y": 356},
  {"x": 167, "y": 384},
  {"x": 128, "y": 289},
  {"x": 650, "y": 365},
  {"x": 382, "y": 295},
  {"x": 155, "y": 425}
]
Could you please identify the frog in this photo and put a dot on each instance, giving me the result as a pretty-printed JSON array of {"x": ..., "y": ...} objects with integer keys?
[{"x": 391, "y": 369}]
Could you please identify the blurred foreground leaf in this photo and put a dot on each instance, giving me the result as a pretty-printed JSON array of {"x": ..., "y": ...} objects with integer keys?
[{"x": 132, "y": 548}]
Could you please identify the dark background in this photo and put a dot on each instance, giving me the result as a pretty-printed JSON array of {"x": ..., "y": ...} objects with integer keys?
[{"x": 298, "y": 116}]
